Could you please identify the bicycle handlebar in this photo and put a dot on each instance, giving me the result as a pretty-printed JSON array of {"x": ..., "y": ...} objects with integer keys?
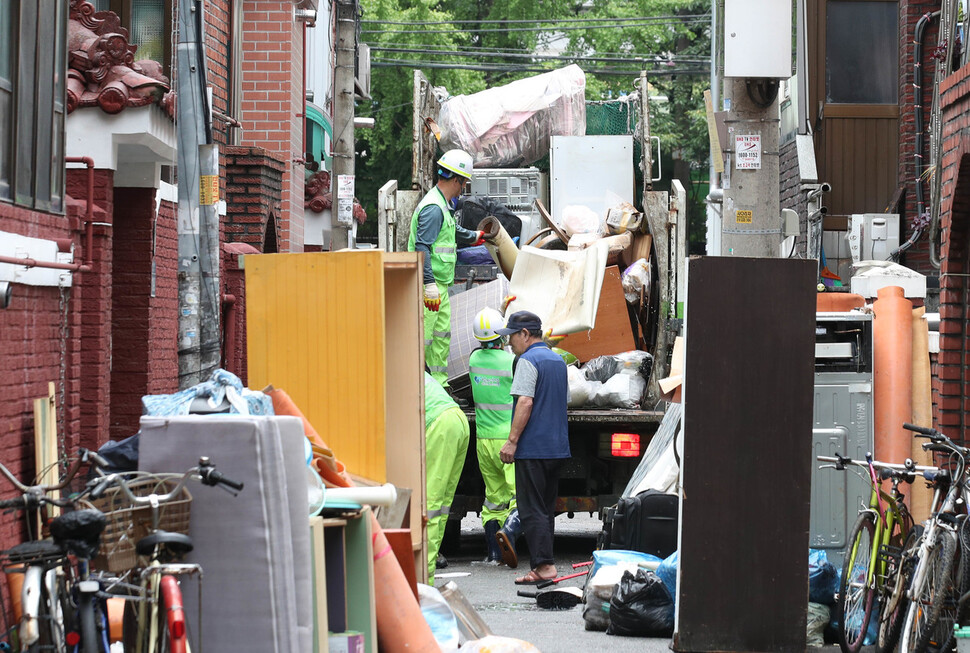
[
  {"x": 920, "y": 429},
  {"x": 39, "y": 492},
  {"x": 897, "y": 467},
  {"x": 205, "y": 471}
]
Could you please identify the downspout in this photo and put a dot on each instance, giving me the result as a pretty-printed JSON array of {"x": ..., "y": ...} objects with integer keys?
[
  {"x": 229, "y": 321},
  {"x": 919, "y": 223},
  {"x": 88, "y": 231}
]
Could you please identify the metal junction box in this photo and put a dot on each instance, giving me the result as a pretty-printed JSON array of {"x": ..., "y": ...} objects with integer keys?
[
  {"x": 757, "y": 38},
  {"x": 843, "y": 423}
]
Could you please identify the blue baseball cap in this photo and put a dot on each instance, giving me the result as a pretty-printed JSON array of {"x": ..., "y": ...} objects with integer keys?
[{"x": 521, "y": 320}]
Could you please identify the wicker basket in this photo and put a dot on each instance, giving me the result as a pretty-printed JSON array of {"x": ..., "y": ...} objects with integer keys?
[{"x": 126, "y": 524}]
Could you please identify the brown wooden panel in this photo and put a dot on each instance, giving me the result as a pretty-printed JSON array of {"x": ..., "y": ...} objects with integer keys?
[
  {"x": 747, "y": 455},
  {"x": 613, "y": 333},
  {"x": 858, "y": 157}
]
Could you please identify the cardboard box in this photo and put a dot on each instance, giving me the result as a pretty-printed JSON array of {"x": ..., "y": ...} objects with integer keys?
[{"x": 348, "y": 642}]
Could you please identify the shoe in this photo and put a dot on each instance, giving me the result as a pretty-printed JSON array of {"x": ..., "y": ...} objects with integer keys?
[
  {"x": 493, "y": 553},
  {"x": 442, "y": 562},
  {"x": 507, "y": 536}
]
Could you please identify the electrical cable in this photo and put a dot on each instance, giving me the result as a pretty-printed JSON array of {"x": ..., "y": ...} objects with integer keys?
[
  {"x": 437, "y": 47},
  {"x": 533, "y": 21},
  {"x": 388, "y": 63},
  {"x": 544, "y": 57},
  {"x": 520, "y": 29}
]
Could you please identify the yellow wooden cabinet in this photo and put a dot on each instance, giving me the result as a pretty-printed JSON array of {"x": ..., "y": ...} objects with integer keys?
[{"x": 341, "y": 333}]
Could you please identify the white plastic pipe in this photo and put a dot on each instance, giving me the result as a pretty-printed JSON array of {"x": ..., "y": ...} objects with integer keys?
[{"x": 384, "y": 495}]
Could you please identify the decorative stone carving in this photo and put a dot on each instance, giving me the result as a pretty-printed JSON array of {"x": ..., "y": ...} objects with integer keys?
[
  {"x": 318, "y": 197},
  {"x": 102, "y": 70}
]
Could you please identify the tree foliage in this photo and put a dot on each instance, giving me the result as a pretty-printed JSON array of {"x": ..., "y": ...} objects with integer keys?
[{"x": 676, "y": 39}]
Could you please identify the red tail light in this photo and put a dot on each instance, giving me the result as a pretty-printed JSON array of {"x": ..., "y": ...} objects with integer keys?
[
  {"x": 73, "y": 638},
  {"x": 625, "y": 445}
]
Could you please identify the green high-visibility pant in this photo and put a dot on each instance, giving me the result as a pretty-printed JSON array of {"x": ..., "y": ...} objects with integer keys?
[
  {"x": 446, "y": 443},
  {"x": 499, "y": 481},
  {"x": 437, "y": 337}
]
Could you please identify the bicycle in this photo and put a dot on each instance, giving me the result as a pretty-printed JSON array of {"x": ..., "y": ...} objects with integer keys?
[
  {"x": 60, "y": 605},
  {"x": 870, "y": 581},
  {"x": 935, "y": 589},
  {"x": 159, "y": 624}
]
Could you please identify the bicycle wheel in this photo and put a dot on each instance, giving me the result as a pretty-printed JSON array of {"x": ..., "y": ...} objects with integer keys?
[
  {"x": 893, "y": 604},
  {"x": 930, "y": 596},
  {"x": 856, "y": 594}
]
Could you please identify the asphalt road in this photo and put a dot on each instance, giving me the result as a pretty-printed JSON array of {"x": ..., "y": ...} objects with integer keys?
[{"x": 492, "y": 592}]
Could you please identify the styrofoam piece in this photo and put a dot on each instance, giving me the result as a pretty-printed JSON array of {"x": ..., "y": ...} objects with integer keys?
[{"x": 870, "y": 276}]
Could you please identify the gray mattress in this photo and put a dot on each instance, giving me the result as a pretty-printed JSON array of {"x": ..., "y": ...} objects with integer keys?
[{"x": 254, "y": 548}]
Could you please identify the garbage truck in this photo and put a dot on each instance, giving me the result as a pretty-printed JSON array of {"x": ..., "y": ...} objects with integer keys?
[{"x": 606, "y": 443}]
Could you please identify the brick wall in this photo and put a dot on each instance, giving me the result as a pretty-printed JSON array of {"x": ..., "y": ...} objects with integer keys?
[
  {"x": 144, "y": 358},
  {"x": 272, "y": 102},
  {"x": 950, "y": 382},
  {"x": 789, "y": 195},
  {"x": 234, "y": 313},
  {"x": 254, "y": 182},
  {"x": 910, "y": 11},
  {"x": 217, "y": 39}
]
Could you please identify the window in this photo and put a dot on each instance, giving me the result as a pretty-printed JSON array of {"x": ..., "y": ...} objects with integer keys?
[
  {"x": 148, "y": 23},
  {"x": 33, "y": 66},
  {"x": 861, "y": 52}
]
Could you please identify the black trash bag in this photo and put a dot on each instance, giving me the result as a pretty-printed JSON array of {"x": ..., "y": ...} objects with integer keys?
[
  {"x": 476, "y": 208},
  {"x": 641, "y": 607},
  {"x": 122, "y": 456},
  {"x": 600, "y": 368},
  {"x": 79, "y": 532}
]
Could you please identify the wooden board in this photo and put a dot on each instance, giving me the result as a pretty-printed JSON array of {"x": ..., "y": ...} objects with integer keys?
[
  {"x": 612, "y": 333},
  {"x": 45, "y": 446},
  {"x": 746, "y": 473},
  {"x": 361, "y": 610},
  {"x": 318, "y": 574},
  {"x": 400, "y": 541}
]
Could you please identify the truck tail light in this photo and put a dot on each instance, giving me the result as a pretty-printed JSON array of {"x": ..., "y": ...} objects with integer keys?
[{"x": 625, "y": 445}]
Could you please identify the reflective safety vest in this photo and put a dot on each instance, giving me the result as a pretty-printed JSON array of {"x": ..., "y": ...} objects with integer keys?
[
  {"x": 490, "y": 371},
  {"x": 436, "y": 400},
  {"x": 444, "y": 250}
]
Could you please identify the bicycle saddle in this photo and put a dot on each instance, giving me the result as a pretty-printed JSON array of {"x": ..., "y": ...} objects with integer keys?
[
  {"x": 177, "y": 543},
  {"x": 34, "y": 552}
]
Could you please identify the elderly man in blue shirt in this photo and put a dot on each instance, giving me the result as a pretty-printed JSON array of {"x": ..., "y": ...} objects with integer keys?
[{"x": 538, "y": 441}]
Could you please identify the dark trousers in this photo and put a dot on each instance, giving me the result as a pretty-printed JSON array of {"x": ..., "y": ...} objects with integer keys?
[{"x": 536, "y": 486}]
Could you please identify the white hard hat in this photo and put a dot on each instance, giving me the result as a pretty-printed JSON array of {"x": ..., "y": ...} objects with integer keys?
[
  {"x": 486, "y": 322},
  {"x": 458, "y": 162}
]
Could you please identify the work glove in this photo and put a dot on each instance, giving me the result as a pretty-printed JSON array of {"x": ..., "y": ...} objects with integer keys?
[
  {"x": 481, "y": 238},
  {"x": 432, "y": 300},
  {"x": 550, "y": 339}
]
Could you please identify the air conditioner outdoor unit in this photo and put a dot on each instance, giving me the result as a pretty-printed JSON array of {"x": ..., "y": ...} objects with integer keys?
[
  {"x": 517, "y": 189},
  {"x": 873, "y": 236}
]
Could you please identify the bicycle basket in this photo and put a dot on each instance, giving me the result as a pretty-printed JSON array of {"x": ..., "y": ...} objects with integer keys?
[{"x": 126, "y": 523}]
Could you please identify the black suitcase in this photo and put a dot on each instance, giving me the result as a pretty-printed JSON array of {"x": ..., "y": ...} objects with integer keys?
[{"x": 646, "y": 522}]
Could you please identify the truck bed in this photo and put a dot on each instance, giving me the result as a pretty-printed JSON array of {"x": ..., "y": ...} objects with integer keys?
[{"x": 601, "y": 416}]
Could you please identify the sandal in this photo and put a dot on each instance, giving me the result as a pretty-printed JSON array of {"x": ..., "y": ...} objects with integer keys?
[
  {"x": 531, "y": 578},
  {"x": 508, "y": 550}
]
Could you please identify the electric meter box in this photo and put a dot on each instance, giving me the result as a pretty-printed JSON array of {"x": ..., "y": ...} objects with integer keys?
[{"x": 757, "y": 38}]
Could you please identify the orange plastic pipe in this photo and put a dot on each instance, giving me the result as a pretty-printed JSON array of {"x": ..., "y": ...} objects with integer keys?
[
  {"x": 838, "y": 302},
  {"x": 401, "y": 628},
  {"x": 893, "y": 377}
]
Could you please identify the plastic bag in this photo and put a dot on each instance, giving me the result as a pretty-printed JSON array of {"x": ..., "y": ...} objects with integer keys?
[
  {"x": 599, "y": 591},
  {"x": 634, "y": 278},
  {"x": 818, "y": 617},
  {"x": 621, "y": 391},
  {"x": 612, "y": 557},
  {"x": 823, "y": 578},
  {"x": 440, "y": 617},
  {"x": 667, "y": 571},
  {"x": 580, "y": 390},
  {"x": 578, "y": 219},
  {"x": 476, "y": 208},
  {"x": 600, "y": 368},
  {"x": 641, "y": 607}
]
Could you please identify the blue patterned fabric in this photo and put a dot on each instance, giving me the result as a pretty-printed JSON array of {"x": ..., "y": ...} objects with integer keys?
[{"x": 222, "y": 385}]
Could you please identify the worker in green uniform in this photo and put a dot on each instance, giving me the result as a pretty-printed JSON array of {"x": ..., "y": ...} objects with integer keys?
[
  {"x": 490, "y": 372},
  {"x": 435, "y": 232},
  {"x": 446, "y": 442}
]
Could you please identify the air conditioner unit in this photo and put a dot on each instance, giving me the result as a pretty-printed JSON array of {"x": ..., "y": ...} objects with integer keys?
[
  {"x": 517, "y": 189},
  {"x": 873, "y": 236}
]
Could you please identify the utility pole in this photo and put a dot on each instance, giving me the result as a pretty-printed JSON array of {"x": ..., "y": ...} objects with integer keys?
[
  {"x": 198, "y": 193},
  {"x": 750, "y": 219},
  {"x": 342, "y": 176},
  {"x": 757, "y": 56}
]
